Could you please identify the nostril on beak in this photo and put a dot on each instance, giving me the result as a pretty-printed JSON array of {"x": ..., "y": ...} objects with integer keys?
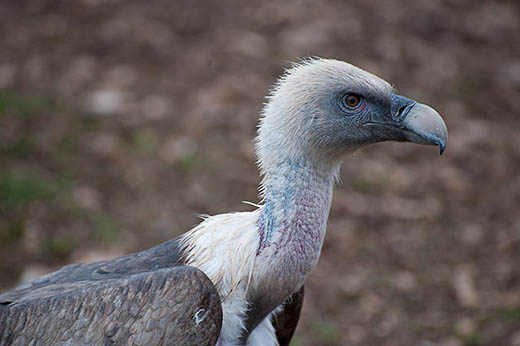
[{"x": 403, "y": 111}]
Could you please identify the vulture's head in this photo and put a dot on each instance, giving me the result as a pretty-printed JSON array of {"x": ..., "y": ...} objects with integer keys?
[{"x": 321, "y": 109}]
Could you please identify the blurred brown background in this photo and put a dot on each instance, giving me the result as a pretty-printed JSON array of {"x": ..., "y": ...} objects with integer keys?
[{"x": 121, "y": 120}]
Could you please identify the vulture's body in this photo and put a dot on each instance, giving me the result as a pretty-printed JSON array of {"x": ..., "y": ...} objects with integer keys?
[{"x": 256, "y": 262}]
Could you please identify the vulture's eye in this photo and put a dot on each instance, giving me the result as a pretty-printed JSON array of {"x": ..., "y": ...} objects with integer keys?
[{"x": 351, "y": 100}]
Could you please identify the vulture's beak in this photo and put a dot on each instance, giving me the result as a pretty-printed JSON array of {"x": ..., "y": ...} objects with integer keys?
[
  {"x": 423, "y": 125},
  {"x": 413, "y": 122}
]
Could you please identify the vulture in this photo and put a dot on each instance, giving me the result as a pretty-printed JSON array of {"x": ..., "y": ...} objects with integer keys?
[{"x": 236, "y": 278}]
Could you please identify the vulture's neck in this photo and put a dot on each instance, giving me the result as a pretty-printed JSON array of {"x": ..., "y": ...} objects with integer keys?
[{"x": 293, "y": 219}]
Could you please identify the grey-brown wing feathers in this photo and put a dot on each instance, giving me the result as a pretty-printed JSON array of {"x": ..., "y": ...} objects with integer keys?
[
  {"x": 144, "y": 298},
  {"x": 165, "y": 255},
  {"x": 170, "y": 306}
]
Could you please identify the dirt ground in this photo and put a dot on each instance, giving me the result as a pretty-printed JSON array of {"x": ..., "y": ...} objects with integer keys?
[{"x": 120, "y": 121}]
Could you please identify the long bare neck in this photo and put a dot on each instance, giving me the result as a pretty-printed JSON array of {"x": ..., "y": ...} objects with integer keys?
[
  {"x": 291, "y": 225},
  {"x": 294, "y": 217}
]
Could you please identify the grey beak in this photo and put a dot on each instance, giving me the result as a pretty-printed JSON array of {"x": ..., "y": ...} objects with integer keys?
[{"x": 423, "y": 125}]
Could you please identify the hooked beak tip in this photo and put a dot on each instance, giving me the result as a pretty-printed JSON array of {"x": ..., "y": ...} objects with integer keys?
[{"x": 425, "y": 126}]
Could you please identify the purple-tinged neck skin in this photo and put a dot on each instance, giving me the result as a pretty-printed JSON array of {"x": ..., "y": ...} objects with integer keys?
[
  {"x": 294, "y": 217},
  {"x": 292, "y": 227}
]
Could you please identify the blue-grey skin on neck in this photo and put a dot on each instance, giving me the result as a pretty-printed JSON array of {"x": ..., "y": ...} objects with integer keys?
[
  {"x": 292, "y": 227},
  {"x": 292, "y": 192}
]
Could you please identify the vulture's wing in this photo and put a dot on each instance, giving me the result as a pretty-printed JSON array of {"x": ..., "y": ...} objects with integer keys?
[
  {"x": 286, "y": 321},
  {"x": 162, "y": 256},
  {"x": 144, "y": 298},
  {"x": 149, "y": 297},
  {"x": 171, "y": 306}
]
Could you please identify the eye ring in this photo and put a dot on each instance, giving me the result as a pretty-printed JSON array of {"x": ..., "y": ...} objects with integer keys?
[{"x": 351, "y": 101}]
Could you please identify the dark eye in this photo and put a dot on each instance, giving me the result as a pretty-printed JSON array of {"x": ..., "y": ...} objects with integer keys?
[{"x": 351, "y": 100}]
